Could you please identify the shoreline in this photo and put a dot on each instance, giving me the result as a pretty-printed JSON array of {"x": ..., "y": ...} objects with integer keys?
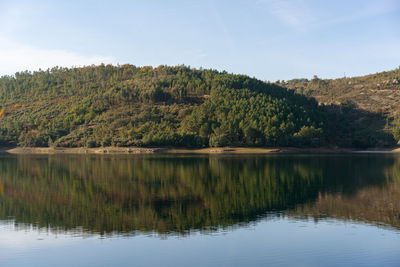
[{"x": 175, "y": 150}]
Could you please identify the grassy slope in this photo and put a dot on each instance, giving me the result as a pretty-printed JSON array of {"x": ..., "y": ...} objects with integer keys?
[{"x": 375, "y": 98}]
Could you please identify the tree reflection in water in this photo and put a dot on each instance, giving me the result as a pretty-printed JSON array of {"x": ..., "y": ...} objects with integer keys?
[{"x": 177, "y": 194}]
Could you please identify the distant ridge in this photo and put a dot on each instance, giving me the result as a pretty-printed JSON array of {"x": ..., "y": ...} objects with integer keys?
[
  {"x": 378, "y": 95},
  {"x": 378, "y": 92}
]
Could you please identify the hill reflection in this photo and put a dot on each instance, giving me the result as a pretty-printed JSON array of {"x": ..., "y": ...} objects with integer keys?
[{"x": 165, "y": 194}]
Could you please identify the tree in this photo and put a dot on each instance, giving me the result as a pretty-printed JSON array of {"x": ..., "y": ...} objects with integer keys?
[{"x": 396, "y": 130}]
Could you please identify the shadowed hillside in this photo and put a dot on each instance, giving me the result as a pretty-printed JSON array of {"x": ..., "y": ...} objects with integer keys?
[{"x": 376, "y": 96}]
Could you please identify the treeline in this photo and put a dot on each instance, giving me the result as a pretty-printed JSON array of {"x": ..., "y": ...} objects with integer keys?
[{"x": 165, "y": 106}]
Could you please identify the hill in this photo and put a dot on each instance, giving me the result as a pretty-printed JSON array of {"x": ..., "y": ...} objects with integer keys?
[
  {"x": 376, "y": 97},
  {"x": 166, "y": 106}
]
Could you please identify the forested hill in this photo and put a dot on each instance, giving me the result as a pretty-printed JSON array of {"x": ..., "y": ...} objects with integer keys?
[{"x": 165, "y": 106}]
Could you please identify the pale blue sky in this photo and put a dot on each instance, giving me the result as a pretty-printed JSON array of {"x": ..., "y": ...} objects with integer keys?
[{"x": 268, "y": 39}]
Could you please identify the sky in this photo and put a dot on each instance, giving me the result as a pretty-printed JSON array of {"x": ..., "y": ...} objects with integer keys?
[{"x": 267, "y": 39}]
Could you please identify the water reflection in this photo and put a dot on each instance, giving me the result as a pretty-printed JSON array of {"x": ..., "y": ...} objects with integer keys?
[{"x": 169, "y": 194}]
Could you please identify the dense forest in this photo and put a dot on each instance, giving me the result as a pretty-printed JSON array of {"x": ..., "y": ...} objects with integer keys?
[{"x": 126, "y": 105}]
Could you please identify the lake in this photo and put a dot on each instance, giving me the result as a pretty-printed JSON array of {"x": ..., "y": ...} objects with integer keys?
[{"x": 187, "y": 210}]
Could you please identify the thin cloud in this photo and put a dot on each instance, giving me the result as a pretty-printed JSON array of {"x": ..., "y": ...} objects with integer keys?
[
  {"x": 293, "y": 13},
  {"x": 371, "y": 9},
  {"x": 302, "y": 15},
  {"x": 16, "y": 57},
  {"x": 226, "y": 33}
]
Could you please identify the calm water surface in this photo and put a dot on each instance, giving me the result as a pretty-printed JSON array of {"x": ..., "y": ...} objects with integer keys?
[{"x": 277, "y": 210}]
